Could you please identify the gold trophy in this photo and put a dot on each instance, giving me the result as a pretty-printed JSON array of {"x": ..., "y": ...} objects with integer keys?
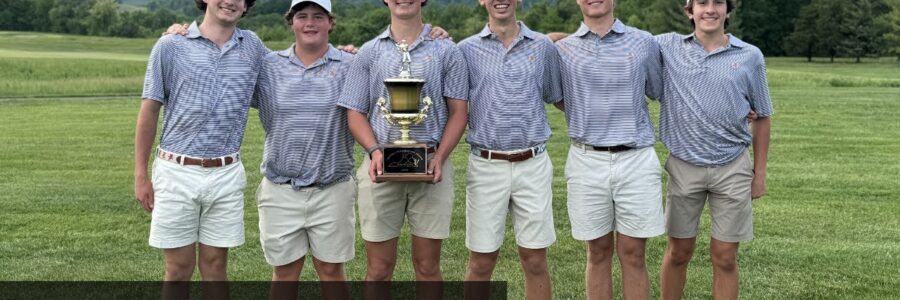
[{"x": 405, "y": 159}]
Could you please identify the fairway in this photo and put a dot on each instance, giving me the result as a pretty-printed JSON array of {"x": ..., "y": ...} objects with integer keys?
[{"x": 827, "y": 229}]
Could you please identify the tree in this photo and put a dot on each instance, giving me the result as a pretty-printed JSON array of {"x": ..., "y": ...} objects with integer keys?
[
  {"x": 803, "y": 40},
  {"x": 860, "y": 36},
  {"x": 890, "y": 25},
  {"x": 66, "y": 16},
  {"x": 767, "y": 23},
  {"x": 101, "y": 17},
  {"x": 662, "y": 16},
  {"x": 39, "y": 15},
  {"x": 828, "y": 26},
  {"x": 15, "y": 15},
  {"x": 630, "y": 12},
  {"x": 544, "y": 17}
]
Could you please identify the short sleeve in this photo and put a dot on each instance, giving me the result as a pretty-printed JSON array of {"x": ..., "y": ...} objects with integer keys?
[
  {"x": 154, "y": 78},
  {"x": 355, "y": 92},
  {"x": 456, "y": 75},
  {"x": 760, "y": 101},
  {"x": 552, "y": 87},
  {"x": 653, "y": 69}
]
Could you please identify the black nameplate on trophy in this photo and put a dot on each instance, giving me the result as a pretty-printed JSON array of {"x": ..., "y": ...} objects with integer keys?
[
  {"x": 405, "y": 160},
  {"x": 405, "y": 163}
]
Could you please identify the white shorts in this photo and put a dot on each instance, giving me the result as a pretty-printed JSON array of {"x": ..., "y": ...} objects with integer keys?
[
  {"x": 497, "y": 187},
  {"x": 383, "y": 206},
  {"x": 293, "y": 222},
  {"x": 196, "y": 204},
  {"x": 619, "y": 192}
]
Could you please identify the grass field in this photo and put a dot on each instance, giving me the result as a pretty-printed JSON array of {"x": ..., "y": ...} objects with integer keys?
[{"x": 828, "y": 228}]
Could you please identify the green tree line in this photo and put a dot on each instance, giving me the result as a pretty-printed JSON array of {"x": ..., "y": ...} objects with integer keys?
[{"x": 810, "y": 28}]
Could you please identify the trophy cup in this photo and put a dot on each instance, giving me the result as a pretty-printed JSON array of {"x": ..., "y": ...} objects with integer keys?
[{"x": 405, "y": 159}]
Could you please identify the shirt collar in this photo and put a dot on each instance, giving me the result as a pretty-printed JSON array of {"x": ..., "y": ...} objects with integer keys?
[
  {"x": 733, "y": 41},
  {"x": 424, "y": 35},
  {"x": 194, "y": 32},
  {"x": 736, "y": 42},
  {"x": 333, "y": 54},
  {"x": 582, "y": 30},
  {"x": 617, "y": 27},
  {"x": 524, "y": 31}
]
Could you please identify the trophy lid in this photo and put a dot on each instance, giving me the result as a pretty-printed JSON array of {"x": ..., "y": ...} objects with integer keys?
[{"x": 404, "y": 80}]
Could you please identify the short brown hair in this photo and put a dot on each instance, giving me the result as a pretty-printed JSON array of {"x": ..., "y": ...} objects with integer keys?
[
  {"x": 730, "y": 4},
  {"x": 202, "y": 5}
]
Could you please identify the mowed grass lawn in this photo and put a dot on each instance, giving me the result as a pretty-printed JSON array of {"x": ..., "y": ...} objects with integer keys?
[{"x": 828, "y": 228}]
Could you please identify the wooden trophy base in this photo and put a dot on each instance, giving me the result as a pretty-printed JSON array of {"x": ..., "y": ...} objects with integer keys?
[{"x": 405, "y": 163}]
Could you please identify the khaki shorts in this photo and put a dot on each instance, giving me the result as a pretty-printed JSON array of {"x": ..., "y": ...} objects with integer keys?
[
  {"x": 497, "y": 187},
  {"x": 383, "y": 206},
  {"x": 726, "y": 187},
  {"x": 295, "y": 222},
  {"x": 197, "y": 204},
  {"x": 619, "y": 192}
]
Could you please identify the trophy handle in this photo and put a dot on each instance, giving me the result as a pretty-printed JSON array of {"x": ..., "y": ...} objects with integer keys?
[
  {"x": 423, "y": 113},
  {"x": 384, "y": 111}
]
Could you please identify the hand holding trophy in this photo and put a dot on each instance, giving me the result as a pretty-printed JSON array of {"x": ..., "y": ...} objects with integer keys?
[{"x": 405, "y": 159}]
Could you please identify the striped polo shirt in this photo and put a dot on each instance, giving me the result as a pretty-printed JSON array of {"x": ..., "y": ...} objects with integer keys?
[
  {"x": 604, "y": 83},
  {"x": 206, "y": 90},
  {"x": 307, "y": 138},
  {"x": 438, "y": 61},
  {"x": 508, "y": 89},
  {"x": 703, "y": 118}
]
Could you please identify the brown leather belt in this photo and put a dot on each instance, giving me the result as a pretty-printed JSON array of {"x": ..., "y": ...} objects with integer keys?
[
  {"x": 203, "y": 162},
  {"x": 513, "y": 157}
]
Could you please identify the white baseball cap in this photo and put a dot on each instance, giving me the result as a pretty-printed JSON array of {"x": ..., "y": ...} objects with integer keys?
[{"x": 326, "y": 4}]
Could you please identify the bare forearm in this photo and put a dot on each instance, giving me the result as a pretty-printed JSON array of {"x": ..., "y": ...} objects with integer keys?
[
  {"x": 761, "y": 136},
  {"x": 144, "y": 134},
  {"x": 360, "y": 128},
  {"x": 456, "y": 125}
]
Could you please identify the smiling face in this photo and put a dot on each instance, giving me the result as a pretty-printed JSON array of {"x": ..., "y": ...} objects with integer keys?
[
  {"x": 311, "y": 25},
  {"x": 501, "y": 10},
  {"x": 596, "y": 8},
  {"x": 405, "y": 9},
  {"x": 708, "y": 16},
  {"x": 225, "y": 11}
]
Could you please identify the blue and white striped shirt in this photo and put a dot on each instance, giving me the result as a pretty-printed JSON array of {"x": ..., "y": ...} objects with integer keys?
[
  {"x": 508, "y": 89},
  {"x": 206, "y": 91},
  {"x": 703, "y": 118},
  {"x": 307, "y": 138},
  {"x": 604, "y": 84},
  {"x": 438, "y": 61}
]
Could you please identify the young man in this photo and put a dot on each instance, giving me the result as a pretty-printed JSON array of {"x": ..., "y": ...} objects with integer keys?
[
  {"x": 428, "y": 206},
  {"x": 712, "y": 81},
  {"x": 613, "y": 173},
  {"x": 513, "y": 71},
  {"x": 307, "y": 194},
  {"x": 205, "y": 80}
]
